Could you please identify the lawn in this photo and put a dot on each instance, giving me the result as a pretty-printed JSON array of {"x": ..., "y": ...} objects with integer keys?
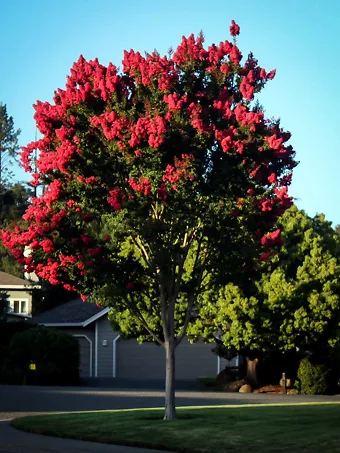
[{"x": 309, "y": 428}]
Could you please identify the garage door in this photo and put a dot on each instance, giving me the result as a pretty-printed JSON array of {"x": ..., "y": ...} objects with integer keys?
[
  {"x": 195, "y": 360},
  {"x": 139, "y": 361},
  {"x": 85, "y": 357},
  {"x": 147, "y": 361}
]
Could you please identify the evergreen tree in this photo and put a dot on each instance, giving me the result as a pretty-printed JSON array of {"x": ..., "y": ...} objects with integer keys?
[
  {"x": 15, "y": 198},
  {"x": 8, "y": 148},
  {"x": 294, "y": 302}
]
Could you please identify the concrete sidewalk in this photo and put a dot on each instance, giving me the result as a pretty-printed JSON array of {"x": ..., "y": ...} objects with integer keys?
[{"x": 15, "y": 441}]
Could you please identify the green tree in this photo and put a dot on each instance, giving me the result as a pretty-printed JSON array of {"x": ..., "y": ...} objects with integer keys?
[
  {"x": 4, "y": 304},
  {"x": 15, "y": 200},
  {"x": 294, "y": 303},
  {"x": 161, "y": 180},
  {"x": 8, "y": 147},
  {"x": 13, "y": 197}
]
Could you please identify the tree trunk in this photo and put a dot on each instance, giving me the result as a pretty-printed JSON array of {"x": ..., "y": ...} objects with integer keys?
[
  {"x": 170, "y": 406},
  {"x": 251, "y": 375}
]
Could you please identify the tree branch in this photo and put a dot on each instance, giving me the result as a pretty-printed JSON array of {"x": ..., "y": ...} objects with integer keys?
[
  {"x": 144, "y": 253},
  {"x": 191, "y": 300},
  {"x": 192, "y": 296},
  {"x": 133, "y": 307}
]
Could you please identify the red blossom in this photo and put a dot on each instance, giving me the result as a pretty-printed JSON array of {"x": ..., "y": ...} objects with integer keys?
[
  {"x": 143, "y": 186},
  {"x": 271, "y": 238},
  {"x": 86, "y": 239},
  {"x": 47, "y": 246},
  {"x": 235, "y": 55},
  {"x": 265, "y": 256},
  {"x": 271, "y": 74},
  {"x": 94, "y": 251},
  {"x": 70, "y": 204},
  {"x": 114, "y": 199},
  {"x": 272, "y": 178},
  {"x": 91, "y": 180},
  {"x": 234, "y": 28}
]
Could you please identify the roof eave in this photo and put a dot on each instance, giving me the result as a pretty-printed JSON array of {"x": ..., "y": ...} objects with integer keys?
[
  {"x": 76, "y": 324},
  {"x": 95, "y": 317},
  {"x": 15, "y": 287},
  {"x": 60, "y": 324}
]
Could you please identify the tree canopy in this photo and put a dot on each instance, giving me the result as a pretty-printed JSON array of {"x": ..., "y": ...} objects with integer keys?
[
  {"x": 162, "y": 179},
  {"x": 294, "y": 303}
]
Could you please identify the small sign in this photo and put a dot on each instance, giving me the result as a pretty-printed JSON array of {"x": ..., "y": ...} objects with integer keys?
[{"x": 33, "y": 366}]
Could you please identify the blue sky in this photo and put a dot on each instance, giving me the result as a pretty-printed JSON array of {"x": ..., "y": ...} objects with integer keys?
[{"x": 41, "y": 39}]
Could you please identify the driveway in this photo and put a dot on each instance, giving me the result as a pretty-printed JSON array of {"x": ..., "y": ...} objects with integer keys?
[{"x": 16, "y": 401}]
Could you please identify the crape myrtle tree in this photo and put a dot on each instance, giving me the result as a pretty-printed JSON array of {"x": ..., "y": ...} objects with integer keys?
[
  {"x": 157, "y": 177},
  {"x": 294, "y": 304}
]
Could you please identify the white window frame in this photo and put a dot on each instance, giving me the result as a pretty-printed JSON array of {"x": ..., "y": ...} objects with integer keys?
[{"x": 19, "y": 299}]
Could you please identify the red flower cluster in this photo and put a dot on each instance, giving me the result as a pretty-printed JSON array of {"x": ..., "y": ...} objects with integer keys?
[
  {"x": 143, "y": 186},
  {"x": 114, "y": 199},
  {"x": 234, "y": 28},
  {"x": 179, "y": 171}
]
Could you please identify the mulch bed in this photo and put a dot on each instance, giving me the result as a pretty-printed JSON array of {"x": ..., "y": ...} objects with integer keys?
[{"x": 274, "y": 389}]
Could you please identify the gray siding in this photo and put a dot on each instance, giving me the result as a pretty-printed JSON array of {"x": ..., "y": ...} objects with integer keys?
[
  {"x": 105, "y": 335},
  {"x": 147, "y": 361},
  {"x": 139, "y": 362},
  {"x": 195, "y": 360}
]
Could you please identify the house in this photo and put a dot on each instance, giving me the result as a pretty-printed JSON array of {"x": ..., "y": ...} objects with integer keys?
[
  {"x": 20, "y": 295},
  {"x": 104, "y": 354}
]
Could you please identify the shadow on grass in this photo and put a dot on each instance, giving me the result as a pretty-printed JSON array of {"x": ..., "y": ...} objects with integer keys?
[{"x": 160, "y": 417}]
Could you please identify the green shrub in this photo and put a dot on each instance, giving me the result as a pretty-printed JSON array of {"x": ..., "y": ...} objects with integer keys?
[
  {"x": 54, "y": 353},
  {"x": 312, "y": 378},
  {"x": 7, "y": 331}
]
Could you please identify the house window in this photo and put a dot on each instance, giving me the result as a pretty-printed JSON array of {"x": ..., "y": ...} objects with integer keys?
[
  {"x": 23, "y": 307},
  {"x": 18, "y": 306}
]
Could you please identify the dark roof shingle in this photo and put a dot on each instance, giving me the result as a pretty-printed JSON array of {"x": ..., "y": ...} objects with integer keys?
[{"x": 75, "y": 311}]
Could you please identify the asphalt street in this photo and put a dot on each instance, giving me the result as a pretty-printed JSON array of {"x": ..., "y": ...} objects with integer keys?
[{"x": 17, "y": 401}]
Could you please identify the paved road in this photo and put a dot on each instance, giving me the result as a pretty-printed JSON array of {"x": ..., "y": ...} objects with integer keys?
[{"x": 17, "y": 401}]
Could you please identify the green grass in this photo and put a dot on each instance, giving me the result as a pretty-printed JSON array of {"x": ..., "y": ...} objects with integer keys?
[
  {"x": 309, "y": 428},
  {"x": 206, "y": 380}
]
